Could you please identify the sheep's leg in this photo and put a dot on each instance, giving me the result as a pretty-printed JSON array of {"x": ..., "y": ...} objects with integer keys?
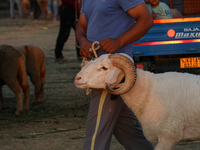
[
  {"x": 27, "y": 98},
  {"x": 42, "y": 95},
  {"x": 165, "y": 144},
  {"x": 36, "y": 96},
  {"x": 19, "y": 102},
  {"x": 17, "y": 89},
  {"x": 1, "y": 97},
  {"x": 37, "y": 86},
  {"x": 37, "y": 91}
]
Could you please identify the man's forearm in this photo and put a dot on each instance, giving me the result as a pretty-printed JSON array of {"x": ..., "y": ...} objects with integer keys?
[
  {"x": 81, "y": 29},
  {"x": 138, "y": 30},
  {"x": 80, "y": 35}
]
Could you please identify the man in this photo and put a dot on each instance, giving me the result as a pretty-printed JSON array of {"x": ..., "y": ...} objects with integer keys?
[
  {"x": 67, "y": 21},
  {"x": 35, "y": 9},
  {"x": 19, "y": 5},
  {"x": 112, "y": 23}
]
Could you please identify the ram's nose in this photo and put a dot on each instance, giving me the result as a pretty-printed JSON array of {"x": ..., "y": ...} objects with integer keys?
[{"x": 77, "y": 79}]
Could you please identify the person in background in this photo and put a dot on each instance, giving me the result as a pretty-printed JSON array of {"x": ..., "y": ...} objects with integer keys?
[
  {"x": 19, "y": 5},
  {"x": 159, "y": 10},
  {"x": 54, "y": 3},
  {"x": 116, "y": 25},
  {"x": 67, "y": 21},
  {"x": 35, "y": 9}
]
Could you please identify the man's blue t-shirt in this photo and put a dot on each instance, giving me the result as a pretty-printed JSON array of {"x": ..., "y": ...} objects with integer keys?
[{"x": 108, "y": 19}]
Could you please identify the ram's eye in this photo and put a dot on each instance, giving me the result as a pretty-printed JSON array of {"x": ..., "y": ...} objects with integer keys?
[{"x": 104, "y": 68}]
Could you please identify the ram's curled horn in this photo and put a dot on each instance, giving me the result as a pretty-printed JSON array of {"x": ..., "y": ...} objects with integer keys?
[{"x": 127, "y": 66}]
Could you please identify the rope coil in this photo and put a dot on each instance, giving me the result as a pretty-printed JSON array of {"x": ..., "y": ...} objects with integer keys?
[
  {"x": 94, "y": 49},
  {"x": 85, "y": 61}
]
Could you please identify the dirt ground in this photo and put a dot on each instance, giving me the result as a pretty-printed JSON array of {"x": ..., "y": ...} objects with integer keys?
[{"x": 58, "y": 123}]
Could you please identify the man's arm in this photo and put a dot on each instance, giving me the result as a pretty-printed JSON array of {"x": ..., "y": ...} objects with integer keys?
[
  {"x": 81, "y": 36},
  {"x": 143, "y": 23}
]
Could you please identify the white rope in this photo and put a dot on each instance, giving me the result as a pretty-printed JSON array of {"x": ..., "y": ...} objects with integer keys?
[
  {"x": 100, "y": 108},
  {"x": 94, "y": 48},
  {"x": 84, "y": 61},
  {"x": 103, "y": 95}
]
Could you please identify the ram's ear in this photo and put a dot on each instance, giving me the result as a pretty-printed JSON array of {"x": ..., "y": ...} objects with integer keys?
[{"x": 112, "y": 76}]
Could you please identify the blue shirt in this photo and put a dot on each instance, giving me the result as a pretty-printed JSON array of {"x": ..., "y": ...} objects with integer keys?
[{"x": 108, "y": 19}]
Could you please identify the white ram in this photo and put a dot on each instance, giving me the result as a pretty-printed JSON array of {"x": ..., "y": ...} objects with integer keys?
[{"x": 167, "y": 105}]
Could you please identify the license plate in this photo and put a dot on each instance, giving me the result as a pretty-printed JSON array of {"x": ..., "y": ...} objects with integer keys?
[{"x": 190, "y": 62}]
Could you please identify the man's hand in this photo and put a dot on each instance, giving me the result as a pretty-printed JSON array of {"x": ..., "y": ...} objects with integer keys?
[
  {"x": 109, "y": 45},
  {"x": 153, "y": 14},
  {"x": 85, "y": 46}
]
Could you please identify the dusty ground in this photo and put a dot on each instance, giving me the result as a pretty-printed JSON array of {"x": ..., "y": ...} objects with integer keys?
[{"x": 59, "y": 123}]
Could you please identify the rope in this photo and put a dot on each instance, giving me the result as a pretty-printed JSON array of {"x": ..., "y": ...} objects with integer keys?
[
  {"x": 94, "y": 49},
  {"x": 103, "y": 97},
  {"x": 84, "y": 61}
]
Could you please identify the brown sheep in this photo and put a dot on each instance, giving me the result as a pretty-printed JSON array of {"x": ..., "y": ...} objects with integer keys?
[
  {"x": 35, "y": 67},
  {"x": 13, "y": 74}
]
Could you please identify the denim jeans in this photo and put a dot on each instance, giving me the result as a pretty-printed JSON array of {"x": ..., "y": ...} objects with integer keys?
[
  {"x": 54, "y": 3},
  {"x": 19, "y": 5}
]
